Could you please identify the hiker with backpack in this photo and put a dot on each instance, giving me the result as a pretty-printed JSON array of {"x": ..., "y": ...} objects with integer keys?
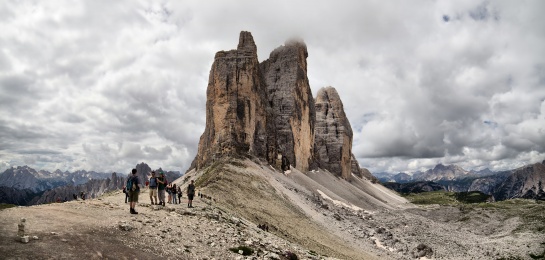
[
  {"x": 169, "y": 192},
  {"x": 190, "y": 194},
  {"x": 133, "y": 188},
  {"x": 161, "y": 184},
  {"x": 126, "y": 193},
  {"x": 153, "y": 188},
  {"x": 173, "y": 192},
  {"x": 180, "y": 193}
]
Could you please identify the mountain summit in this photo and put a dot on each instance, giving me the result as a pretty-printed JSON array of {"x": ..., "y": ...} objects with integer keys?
[{"x": 267, "y": 110}]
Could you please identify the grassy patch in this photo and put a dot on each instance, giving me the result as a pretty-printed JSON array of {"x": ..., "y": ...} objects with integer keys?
[
  {"x": 446, "y": 198},
  {"x": 6, "y": 206},
  {"x": 471, "y": 197},
  {"x": 237, "y": 163},
  {"x": 432, "y": 197},
  {"x": 531, "y": 212},
  {"x": 208, "y": 174},
  {"x": 245, "y": 250}
]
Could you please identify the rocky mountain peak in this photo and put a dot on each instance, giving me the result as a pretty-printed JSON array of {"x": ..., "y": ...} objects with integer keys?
[
  {"x": 525, "y": 182},
  {"x": 290, "y": 100},
  {"x": 236, "y": 107},
  {"x": 267, "y": 110},
  {"x": 333, "y": 133},
  {"x": 246, "y": 42},
  {"x": 142, "y": 170}
]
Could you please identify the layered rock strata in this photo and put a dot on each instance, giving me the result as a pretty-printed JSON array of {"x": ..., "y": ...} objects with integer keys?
[
  {"x": 267, "y": 110},
  {"x": 333, "y": 134},
  {"x": 290, "y": 99},
  {"x": 236, "y": 110}
]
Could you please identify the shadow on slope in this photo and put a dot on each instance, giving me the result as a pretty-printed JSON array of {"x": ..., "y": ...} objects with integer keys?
[
  {"x": 254, "y": 192},
  {"x": 288, "y": 203}
]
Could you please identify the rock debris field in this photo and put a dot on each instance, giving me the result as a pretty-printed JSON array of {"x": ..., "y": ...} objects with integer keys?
[{"x": 103, "y": 229}]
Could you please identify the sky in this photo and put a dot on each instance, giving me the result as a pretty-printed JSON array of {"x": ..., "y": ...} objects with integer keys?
[{"x": 105, "y": 85}]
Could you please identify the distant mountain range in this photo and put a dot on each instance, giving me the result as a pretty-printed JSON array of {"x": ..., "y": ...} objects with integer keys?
[
  {"x": 523, "y": 182},
  {"x": 23, "y": 185},
  {"x": 24, "y": 177}
]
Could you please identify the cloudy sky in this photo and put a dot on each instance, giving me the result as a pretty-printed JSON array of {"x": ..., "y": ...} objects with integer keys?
[{"x": 104, "y": 85}]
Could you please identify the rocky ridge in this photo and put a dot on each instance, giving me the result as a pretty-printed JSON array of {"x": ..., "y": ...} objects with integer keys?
[
  {"x": 51, "y": 187},
  {"x": 524, "y": 182},
  {"x": 24, "y": 177}
]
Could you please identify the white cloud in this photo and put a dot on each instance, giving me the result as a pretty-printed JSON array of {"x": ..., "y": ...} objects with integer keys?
[{"x": 107, "y": 85}]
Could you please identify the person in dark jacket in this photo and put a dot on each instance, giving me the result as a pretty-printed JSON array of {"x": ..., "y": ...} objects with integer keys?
[
  {"x": 190, "y": 194},
  {"x": 133, "y": 194}
]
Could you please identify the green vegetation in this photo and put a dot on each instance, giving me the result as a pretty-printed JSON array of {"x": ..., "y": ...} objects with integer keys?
[
  {"x": 6, "y": 206},
  {"x": 447, "y": 198},
  {"x": 531, "y": 212},
  {"x": 245, "y": 250},
  {"x": 208, "y": 174},
  {"x": 471, "y": 197},
  {"x": 432, "y": 197}
]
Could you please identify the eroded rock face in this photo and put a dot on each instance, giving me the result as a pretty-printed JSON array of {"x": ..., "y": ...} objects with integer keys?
[
  {"x": 267, "y": 110},
  {"x": 236, "y": 110},
  {"x": 526, "y": 182},
  {"x": 290, "y": 99},
  {"x": 362, "y": 172},
  {"x": 333, "y": 134}
]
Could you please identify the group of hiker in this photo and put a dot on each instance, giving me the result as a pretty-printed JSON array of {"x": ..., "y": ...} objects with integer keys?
[{"x": 158, "y": 186}]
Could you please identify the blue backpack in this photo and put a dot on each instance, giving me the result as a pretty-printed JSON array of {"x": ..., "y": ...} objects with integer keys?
[{"x": 131, "y": 184}]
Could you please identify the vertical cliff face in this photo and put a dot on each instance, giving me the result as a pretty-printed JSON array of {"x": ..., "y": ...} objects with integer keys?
[
  {"x": 525, "y": 182},
  {"x": 236, "y": 110},
  {"x": 290, "y": 99},
  {"x": 333, "y": 134},
  {"x": 267, "y": 110}
]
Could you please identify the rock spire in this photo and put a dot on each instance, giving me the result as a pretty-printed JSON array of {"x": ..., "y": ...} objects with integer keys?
[
  {"x": 267, "y": 110},
  {"x": 333, "y": 133},
  {"x": 290, "y": 98},
  {"x": 236, "y": 110}
]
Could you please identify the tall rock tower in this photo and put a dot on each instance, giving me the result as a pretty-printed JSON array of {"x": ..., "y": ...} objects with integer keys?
[
  {"x": 267, "y": 109},
  {"x": 290, "y": 98},
  {"x": 333, "y": 134},
  {"x": 236, "y": 106}
]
